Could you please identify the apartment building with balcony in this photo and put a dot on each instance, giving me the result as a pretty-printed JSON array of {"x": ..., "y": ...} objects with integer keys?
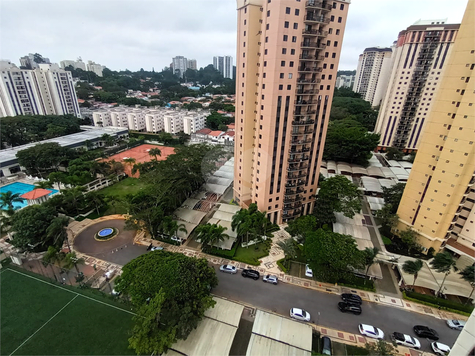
[
  {"x": 439, "y": 199},
  {"x": 47, "y": 90},
  {"x": 287, "y": 60},
  {"x": 420, "y": 58},
  {"x": 372, "y": 74}
]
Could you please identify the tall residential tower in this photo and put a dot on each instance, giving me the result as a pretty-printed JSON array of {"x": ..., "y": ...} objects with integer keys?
[
  {"x": 439, "y": 199},
  {"x": 287, "y": 61}
]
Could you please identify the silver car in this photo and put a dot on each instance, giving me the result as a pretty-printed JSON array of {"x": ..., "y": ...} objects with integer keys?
[
  {"x": 269, "y": 278},
  {"x": 440, "y": 349},
  {"x": 299, "y": 314},
  {"x": 228, "y": 269},
  {"x": 456, "y": 324}
]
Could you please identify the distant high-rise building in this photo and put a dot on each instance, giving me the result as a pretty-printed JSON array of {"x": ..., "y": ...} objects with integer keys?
[
  {"x": 420, "y": 58},
  {"x": 47, "y": 90},
  {"x": 192, "y": 64},
  {"x": 32, "y": 61},
  {"x": 96, "y": 68},
  {"x": 287, "y": 61},
  {"x": 439, "y": 199},
  {"x": 224, "y": 65},
  {"x": 179, "y": 65},
  {"x": 77, "y": 64},
  {"x": 372, "y": 74},
  {"x": 344, "y": 80}
]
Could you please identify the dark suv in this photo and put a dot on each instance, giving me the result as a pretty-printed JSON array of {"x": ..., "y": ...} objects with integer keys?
[
  {"x": 250, "y": 273},
  {"x": 349, "y": 308},
  {"x": 351, "y": 298},
  {"x": 425, "y": 331}
]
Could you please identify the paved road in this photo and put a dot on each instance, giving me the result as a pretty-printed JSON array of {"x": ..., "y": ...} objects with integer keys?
[{"x": 282, "y": 297}]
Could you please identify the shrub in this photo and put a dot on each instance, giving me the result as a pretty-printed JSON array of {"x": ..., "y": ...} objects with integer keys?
[
  {"x": 386, "y": 240},
  {"x": 221, "y": 253},
  {"x": 435, "y": 302},
  {"x": 281, "y": 265}
]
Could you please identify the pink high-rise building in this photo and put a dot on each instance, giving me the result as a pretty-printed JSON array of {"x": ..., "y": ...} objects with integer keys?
[{"x": 287, "y": 60}]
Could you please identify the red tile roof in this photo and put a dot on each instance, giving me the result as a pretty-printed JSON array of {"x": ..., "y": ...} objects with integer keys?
[
  {"x": 231, "y": 126},
  {"x": 215, "y": 133},
  {"x": 203, "y": 131},
  {"x": 230, "y": 133},
  {"x": 80, "y": 101},
  {"x": 36, "y": 193}
]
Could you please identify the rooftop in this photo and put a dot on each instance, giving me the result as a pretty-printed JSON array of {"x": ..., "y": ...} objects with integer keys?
[{"x": 36, "y": 193}]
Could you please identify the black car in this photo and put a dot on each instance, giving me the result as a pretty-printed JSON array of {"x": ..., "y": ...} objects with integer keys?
[
  {"x": 425, "y": 331},
  {"x": 349, "y": 308},
  {"x": 250, "y": 273},
  {"x": 351, "y": 298}
]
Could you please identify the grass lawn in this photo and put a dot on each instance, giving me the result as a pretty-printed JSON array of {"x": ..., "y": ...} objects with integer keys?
[
  {"x": 252, "y": 254},
  {"x": 386, "y": 240},
  {"x": 124, "y": 187},
  {"x": 40, "y": 318}
]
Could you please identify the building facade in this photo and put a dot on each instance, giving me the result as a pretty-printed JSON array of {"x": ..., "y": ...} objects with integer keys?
[
  {"x": 95, "y": 67},
  {"x": 439, "y": 198},
  {"x": 77, "y": 64},
  {"x": 47, "y": 90},
  {"x": 372, "y": 74},
  {"x": 224, "y": 65},
  {"x": 420, "y": 58},
  {"x": 29, "y": 62},
  {"x": 179, "y": 65},
  {"x": 192, "y": 64},
  {"x": 285, "y": 77},
  {"x": 345, "y": 81}
]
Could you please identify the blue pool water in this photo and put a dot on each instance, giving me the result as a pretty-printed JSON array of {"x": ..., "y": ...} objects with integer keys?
[
  {"x": 105, "y": 232},
  {"x": 21, "y": 188}
]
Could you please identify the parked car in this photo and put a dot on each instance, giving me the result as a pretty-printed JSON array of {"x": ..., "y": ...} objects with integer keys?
[
  {"x": 425, "y": 331},
  {"x": 406, "y": 340},
  {"x": 228, "y": 269},
  {"x": 349, "y": 308},
  {"x": 326, "y": 346},
  {"x": 269, "y": 278},
  {"x": 156, "y": 248},
  {"x": 250, "y": 273},
  {"x": 299, "y": 314},
  {"x": 440, "y": 349},
  {"x": 371, "y": 331},
  {"x": 114, "y": 292},
  {"x": 351, "y": 298},
  {"x": 456, "y": 324},
  {"x": 308, "y": 271},
  {"x": 176, "y": 239}
]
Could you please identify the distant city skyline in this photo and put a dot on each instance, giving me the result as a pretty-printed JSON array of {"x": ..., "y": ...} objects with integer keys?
[{"x": 114, "y": 38}]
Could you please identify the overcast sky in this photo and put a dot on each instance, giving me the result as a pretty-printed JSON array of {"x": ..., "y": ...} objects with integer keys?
[{"x": 138, "y": 34}]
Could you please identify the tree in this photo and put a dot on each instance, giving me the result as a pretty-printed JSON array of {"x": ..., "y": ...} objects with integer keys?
[
  {"x": 129, "y": 162},
  {"x": 413, "y": 267},
  {"x": 155, "y": 152},
  {"x": 443, "y": 262},
  {"x": 393, "y": 195},
  {"x": 29, "y": 227},
  {"x": 52, "y": 255},
  {"x": 468, "y": 275},
  {"x": 214, "y": 120},
  {"x": 178, "y": 290},
  {"x": 108, "y": 140},
  {"x": 45, "y": 184},
  {"x": 211, "y": 234},
  {"x": 58, "y": 178},
  {"x": 43, "y": 157},
  {"x": 95, "y": 199},
  {"x": 8, "y": 198},
  {"x": 70, "y": 260},
  {"x": 409, "y": 237},
  {"x": 332, "y": 256},
  {"x": 369, "y": 257},
  {"x": 170, "y": 227},
  {"x": 251, "y": 222},
  {"x": 348, "y": 141},
  {"x": 288, "y": 248},
  {"x": 388, "y": 219},
  {"x": 337, "y": 194},
  {"x": 394, "y": 153},
  {"x": 381, "y": 348},
  {"x": 57, "y": 233},
  {"x": 299, "y": 227}
]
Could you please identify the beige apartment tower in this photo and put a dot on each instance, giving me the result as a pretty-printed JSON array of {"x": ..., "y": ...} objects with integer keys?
[
  {"x": 419, "y": 60},
  {"x": 438, "y": 201},
  {"x": 287, "y": 60}
]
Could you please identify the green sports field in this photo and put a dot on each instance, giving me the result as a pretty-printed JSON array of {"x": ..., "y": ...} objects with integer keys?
[{"x": 40, "y": 318}]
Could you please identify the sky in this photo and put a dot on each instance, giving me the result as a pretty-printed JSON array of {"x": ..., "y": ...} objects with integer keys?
[{"x": 146, "y": 34}]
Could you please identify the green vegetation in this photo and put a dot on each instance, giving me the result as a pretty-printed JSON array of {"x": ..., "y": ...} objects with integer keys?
[
  {"x": 435, "y": 302},
  {"x": 386, "y": 240},
  {"x": 252, "y": 224},
  {"x": 99, "y": 326},
  {"x": 280, "y": 263},
  {"x": 127, "y": 186},
  {"x": 381, "y": 348},
  {"x": 252, "y": 254},
  {"x": 215, "y": 120},
  {"x": 359, "y": 283},
  {"x": 443, "y": 262}
]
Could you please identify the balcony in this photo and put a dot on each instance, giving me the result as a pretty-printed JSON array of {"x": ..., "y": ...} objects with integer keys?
[
  {"x": 314, "y": 33},
  {"x": 305, "y": 102},
  {"x": 308, "y": 69},
  {"x": 318, "y": 5},
  {"x": 300, "y": 142},
  {"x": 316, "y": 19},
  {"x": 307, "y": 92},
  {"x": 303, "y": 123},
  {"x": 296, "y": 169}
]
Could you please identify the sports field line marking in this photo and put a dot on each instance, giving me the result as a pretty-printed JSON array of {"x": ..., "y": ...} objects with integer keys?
[
  {"x": 42, "y": 326},
  {"x": 70, "y": 291}
]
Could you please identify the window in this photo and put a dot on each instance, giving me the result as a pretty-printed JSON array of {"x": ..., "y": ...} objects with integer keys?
[
  {"x": 281, "y": 87},
  {"x": 292, "y": 51},
  {"x": 289, "y": 87},
  {"x": 332, "y": 18},
  {"x": 268, "y": 13},
  {"x": 244, "y": 22},
  {"x": 285, "y": 38},
  {"x": 290, "y": 75},
  {"x": 245, "y": 11},
  {"x": 339, "y": 19},
  {"x": 335, "y": 44},
  {"x": 333, "y": 55},
  {"x": 284, "y": 50},
  {"x": 291, "y": 64},
  {"x": 342, "y": 7},
  {"x": 330, "y": 77},
  {"x": 265, "y": 63},
  {"x": 326, "y": 54},
  {"x": 296, "y": 25},
  {"x": 265, "y": 51},
  {"x": 244, "y": 44},
  {"x": 244, "y": 33},
  {"x": 287, "y": 10},
  {"x": 263, "y": 75},
  {"x": 286, "y": 24},
  {"x": 267, "y": 26},
  {"x": 282, "y": 63},
  {"x": 243, "y": 54},
  {"x": 297, "y": 12},
  {"x": 330, "y": 31},
  {"x": 281, "y": 75},
  {"x": 294, "y": 38},
  {"x": 267, "y": 39}
]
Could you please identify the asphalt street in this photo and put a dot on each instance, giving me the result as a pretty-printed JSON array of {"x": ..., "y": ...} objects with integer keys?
[{"x": 323, "y": 308}]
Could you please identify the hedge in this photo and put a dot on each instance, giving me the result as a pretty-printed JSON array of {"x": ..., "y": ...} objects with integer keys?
[
  {"x": 229, "y": 254},
  {"x": 435, "y": 302},
  {"x": 281, "y": 265}
]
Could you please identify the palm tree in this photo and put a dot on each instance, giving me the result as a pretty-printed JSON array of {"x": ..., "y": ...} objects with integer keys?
[
  {"x": 443, "y": 262},
  {"x": 96, "y": 199},
  {"x": 288, "y": 247},
  {"x": 155, "y": 152},
  {"x": 8, "y": 198},
  {"x": 58, "y": 178},
  {"x": 170, "y": 227},
  {"x": 70, "y": 261},
  {"x": 369, "y": 257},
  {"x": 6, "y": 220},
  {"x": 413, "y": 267},
  {"x": 52, "y": 255},
  {"x": 57, "y": 231},
  {"x": 211, "y": 234},
  {"x": 108, "y": 140},
  {"x": 468, "y": 274},
  {"x": 74, "y": 196},
  {"x": 241, "y": 223},
  {"x": 46, "y": 184}
]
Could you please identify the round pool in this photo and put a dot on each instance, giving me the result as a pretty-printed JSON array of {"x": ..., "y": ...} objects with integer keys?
[{"x": 105, "y": 232}]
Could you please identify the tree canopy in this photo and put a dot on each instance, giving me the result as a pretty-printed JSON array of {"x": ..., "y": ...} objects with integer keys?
[
  {"x": 215, "y": 120},
  {"x": 299, "y": 227},
  {"x": 172, "y": 292},
  {"x": 43, "y": 157},
  {"x": 392, "y": 196}
]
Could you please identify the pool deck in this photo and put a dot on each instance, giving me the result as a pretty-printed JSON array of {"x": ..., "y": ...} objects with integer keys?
[{"x": 25, "y": 180}]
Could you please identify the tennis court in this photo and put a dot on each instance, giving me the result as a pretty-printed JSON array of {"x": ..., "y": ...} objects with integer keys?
[{"x": 40, "y": 318}]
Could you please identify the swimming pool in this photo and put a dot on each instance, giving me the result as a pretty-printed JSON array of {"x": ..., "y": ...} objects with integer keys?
[{"x": 21, "y": 188}]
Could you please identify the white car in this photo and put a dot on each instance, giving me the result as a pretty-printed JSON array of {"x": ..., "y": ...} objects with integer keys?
[
  {"x": 269, "y": 278},
  {"x": 405, "y": 340},
  {"x": 176, "y": 239},
  {"x": 371, "y": 331},
  {"x": 308, "y": 271},
  {"x": 156, "y": 248},
  {"x": 456, "y": 324},
  {"x": 440, "y": 349},
  {"x": 228, "y": 269},
  {"x": 299, "y": 314}
]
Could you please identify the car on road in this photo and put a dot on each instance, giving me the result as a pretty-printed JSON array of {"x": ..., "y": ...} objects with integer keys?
[
  {"x": 425, "y": 331},
  {"x": 456, "y": 324},
  {"x": 349, "y": 308},
  {"x": 351, "y": 298},
  {"x": 250, "y": 273},
  {"x": 406, "y": 340},
  {"x": 299, "y": 314},
  {"x": 156, "y": 248},
  {"x": 269, "y": 278},
  {"x": 440, "y": 349},
  {"x": 326, "y": 346},
  {"x": 370, "y": 331},
  {"x": 228, "y": 269},
  {"x": 308, "y": 271}
]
